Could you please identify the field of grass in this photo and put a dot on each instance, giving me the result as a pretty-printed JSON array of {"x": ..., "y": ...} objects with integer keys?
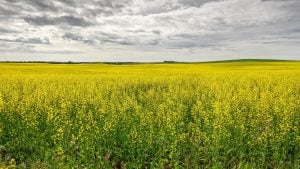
[{"x": 205, "y": 115}]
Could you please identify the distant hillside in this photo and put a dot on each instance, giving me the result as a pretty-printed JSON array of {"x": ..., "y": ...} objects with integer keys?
[{"x": 252, "y": 60}]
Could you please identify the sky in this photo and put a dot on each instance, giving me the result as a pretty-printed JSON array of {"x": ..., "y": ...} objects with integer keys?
[{"x": 149, "y": 30}]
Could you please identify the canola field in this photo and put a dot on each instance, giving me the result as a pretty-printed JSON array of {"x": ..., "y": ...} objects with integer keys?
[{"x": 202, "y": 115}]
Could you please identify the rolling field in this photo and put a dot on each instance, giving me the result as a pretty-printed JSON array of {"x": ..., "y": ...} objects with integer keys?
[{"x": 202, "y": 115}]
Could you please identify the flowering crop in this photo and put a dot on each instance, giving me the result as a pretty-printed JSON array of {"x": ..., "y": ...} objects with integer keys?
[{"x": 217, "y": 115}]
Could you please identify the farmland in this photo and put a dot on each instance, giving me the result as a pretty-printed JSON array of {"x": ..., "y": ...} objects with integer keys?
[{"x": 201, "y": 115}]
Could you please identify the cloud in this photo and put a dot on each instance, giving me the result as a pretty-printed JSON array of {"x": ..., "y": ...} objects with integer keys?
[
  {"x": 7, "y": 31},
  {"x": 76, "y": 37},
  {"x": 194, "y": 3},
  {"x": 28, "y": 40},
  {"x": 139, "y": 25},
  {"x": 62, "y": 20}
]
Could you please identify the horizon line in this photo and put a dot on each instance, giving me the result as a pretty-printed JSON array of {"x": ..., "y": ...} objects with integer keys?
[{"x": 154, "y": 62}]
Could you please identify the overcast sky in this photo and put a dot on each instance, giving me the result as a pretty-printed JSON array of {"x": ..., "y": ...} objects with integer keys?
[{"x": 149, "y": 30}]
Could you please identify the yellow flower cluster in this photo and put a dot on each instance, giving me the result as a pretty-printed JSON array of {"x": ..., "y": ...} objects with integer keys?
[{"x": 222, "y": 115}]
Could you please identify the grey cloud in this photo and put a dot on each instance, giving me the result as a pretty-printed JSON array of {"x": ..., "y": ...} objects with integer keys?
[
  {"x": 71, "y": 36},
  {"x": 28, "y": 40},
  {"x": 15, "y": 48},
  {"x": 62, "y": 20},
  {"x": 9, "y": 10},
  {"x": 279, "y": 0},
  {"x": 100, "y": 3},
  {"x": 37, "y": 5},
  {"x": 196, "y": 3},
  {"x": 7, "y": 31},
  {"x": 100, "y": 38},
  {"x": 94, "y": 8},
  {"x": 177, "y": 24},
  {"x": 191, "y": 44},
  {"x": 110, "y": 38},
  {"x": 56, "y": 52},
  {"x": 32, "y": 51},
  {"x": 75, "y": 37},
  {"x": 138, "y": 37},
  {"x": 130, "y": 41},
  {"x": 42, "y": 4},
  {"x": 156, "y": 32},
  {"x": 190, "y": 41},
  {"x": 148, "y": 24},
  {"x": 87, "y": 7}
]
